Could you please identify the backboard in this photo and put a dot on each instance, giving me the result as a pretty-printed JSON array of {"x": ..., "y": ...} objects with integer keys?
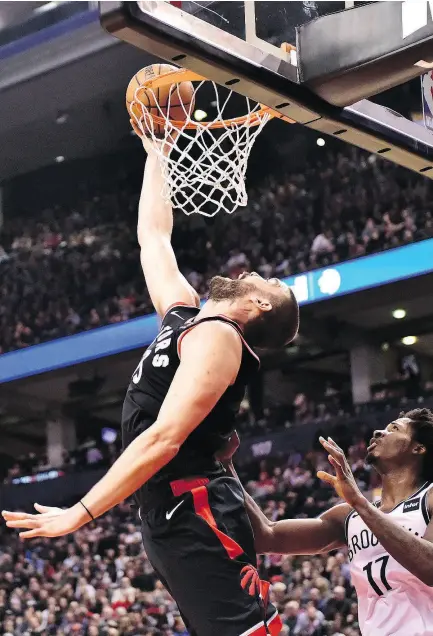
[{"x": 249, "y": 47}]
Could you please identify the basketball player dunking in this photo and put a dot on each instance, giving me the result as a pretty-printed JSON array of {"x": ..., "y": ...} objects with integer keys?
[
  {"x": 390, "y": 545},
  {"x": 179, "y": 413}
]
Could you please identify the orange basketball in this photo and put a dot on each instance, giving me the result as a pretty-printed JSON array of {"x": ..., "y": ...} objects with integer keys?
[{"x": 177, "y": 98}]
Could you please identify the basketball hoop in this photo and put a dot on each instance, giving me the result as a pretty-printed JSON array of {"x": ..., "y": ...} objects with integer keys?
[{"x": 203, "y": 162}]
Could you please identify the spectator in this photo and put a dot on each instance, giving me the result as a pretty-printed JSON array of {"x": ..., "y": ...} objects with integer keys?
[
  {"x": 337, "y": 603},
  {"x": 290, "y": 616},
  {"x": 322, "y": 244}
]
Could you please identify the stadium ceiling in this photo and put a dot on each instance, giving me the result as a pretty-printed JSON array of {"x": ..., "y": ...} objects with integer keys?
[
  {"x": 89, "y": 91},
  {"x": 16, "y": 12}
]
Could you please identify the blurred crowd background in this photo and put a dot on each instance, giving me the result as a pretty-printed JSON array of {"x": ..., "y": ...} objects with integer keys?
[{"x": 69, "y": 258}]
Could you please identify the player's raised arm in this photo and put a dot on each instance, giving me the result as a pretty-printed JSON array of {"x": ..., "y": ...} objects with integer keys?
[
  {"x": 165, "y": 283},
  {"x": 211, "y": 355},
  {"x": 296, "y": 536}
]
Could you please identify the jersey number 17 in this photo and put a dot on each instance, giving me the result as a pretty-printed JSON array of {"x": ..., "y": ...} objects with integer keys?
[{"x": 369, "y": 570}]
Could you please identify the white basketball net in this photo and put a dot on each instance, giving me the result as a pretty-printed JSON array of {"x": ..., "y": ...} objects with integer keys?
[{"x": 203, "y": 167}]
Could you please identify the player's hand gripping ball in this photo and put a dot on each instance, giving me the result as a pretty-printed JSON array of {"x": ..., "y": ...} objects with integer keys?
[{"x": 175, "y": 101}]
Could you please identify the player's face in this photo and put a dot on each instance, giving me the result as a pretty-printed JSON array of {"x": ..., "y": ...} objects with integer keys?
[
  {"x": 393, "y": 442},
  {"x": 256, "y": 297},
  {"x": 223, "y": 288}
]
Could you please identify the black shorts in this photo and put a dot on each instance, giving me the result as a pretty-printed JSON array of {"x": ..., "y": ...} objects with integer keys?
[{"x": 199, "y": 543}]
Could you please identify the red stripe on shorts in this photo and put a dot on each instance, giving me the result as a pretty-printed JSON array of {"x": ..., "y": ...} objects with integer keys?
[
  {"x": 181, "y": 486},
  {"x": 202, "y": 509},
  {"x": 275, "y": 626}
]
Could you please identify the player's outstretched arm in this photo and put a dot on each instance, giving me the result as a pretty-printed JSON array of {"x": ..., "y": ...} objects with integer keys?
[
  {"x": 211, "y": 354},
  {"x": 165, "y": 283},
  {"x": 296, "y": 536}
]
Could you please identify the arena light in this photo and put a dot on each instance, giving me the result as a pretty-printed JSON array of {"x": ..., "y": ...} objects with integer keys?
[
  {"x": 385, "y": 346},
  {"x": 409, "y": 340},
  {"x": 199, "y": 114},
  {"x": 399, "y": 314},
  {"x": 47, "y": 6},
  {"x": 60, "y": 159},
  {"x": 320, "y": 141},
  {"x": 61, "y": 118}
]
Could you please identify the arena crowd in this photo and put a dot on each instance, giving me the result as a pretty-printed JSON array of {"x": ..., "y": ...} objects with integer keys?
[{"x": 73, "y": 266}]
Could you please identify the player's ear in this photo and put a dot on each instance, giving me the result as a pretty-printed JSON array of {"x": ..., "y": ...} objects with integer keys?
[
  {"x": 262, "y": 303},
  {"x": 419, "y": 449}
]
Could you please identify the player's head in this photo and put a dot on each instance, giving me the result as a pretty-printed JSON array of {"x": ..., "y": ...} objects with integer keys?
[
  {"x": 268, "y": 309},
  {"x": 405, "y": 441}
]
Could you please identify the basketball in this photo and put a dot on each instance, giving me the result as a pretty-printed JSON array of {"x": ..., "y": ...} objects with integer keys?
[{"x": 175, "y": 100}]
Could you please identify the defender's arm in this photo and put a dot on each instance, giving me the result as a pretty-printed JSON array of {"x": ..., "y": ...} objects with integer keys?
[{"x": 296, "y": 536}]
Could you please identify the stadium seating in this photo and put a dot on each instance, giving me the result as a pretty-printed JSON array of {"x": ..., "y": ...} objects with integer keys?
[{"x": 73, "y": 266}]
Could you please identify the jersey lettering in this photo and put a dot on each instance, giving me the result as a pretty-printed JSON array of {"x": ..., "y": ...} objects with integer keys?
[
  {"x": 163, "y": 345},
  {"x": 365, "y": 540},
  {"x": 160, "y": 360},
  {"x": 165, "y": 333},
  {"x": 139, "y": 370},
  {"x": 412, "y": 504},
  {"x": 162, "y": 341}
]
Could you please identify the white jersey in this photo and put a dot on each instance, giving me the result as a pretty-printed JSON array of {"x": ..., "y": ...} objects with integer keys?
[{"x": 391, "y": 600}]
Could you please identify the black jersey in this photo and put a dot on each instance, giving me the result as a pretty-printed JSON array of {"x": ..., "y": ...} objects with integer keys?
[{"x": 149, "y": 386}]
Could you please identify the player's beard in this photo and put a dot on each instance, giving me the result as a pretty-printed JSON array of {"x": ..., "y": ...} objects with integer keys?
[{"x": 221, "y": 288}]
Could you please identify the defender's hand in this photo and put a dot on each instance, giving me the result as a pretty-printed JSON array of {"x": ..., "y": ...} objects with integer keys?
[
  {"x": 343, "y": 481},
  {"x": 226, "y": 453},
  {"x": 50, "y": 522}
]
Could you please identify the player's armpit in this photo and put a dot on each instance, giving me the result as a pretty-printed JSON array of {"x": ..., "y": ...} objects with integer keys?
[
  {"x": 165, "y": 283},
  {"x": 307, "y": 536},
  {"x": 211, "y": 355}
]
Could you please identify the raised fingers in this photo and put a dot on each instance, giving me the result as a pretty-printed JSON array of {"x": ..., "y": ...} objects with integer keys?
[
  {"x": 333, "y": 449},
  {"x": 329, "y": 479},
  {"x": 30, "y": 534},
  {"x": 29, "y": 522},
  {"x": 12, "y": 516},
  {"x": 337, "y": 466}
]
